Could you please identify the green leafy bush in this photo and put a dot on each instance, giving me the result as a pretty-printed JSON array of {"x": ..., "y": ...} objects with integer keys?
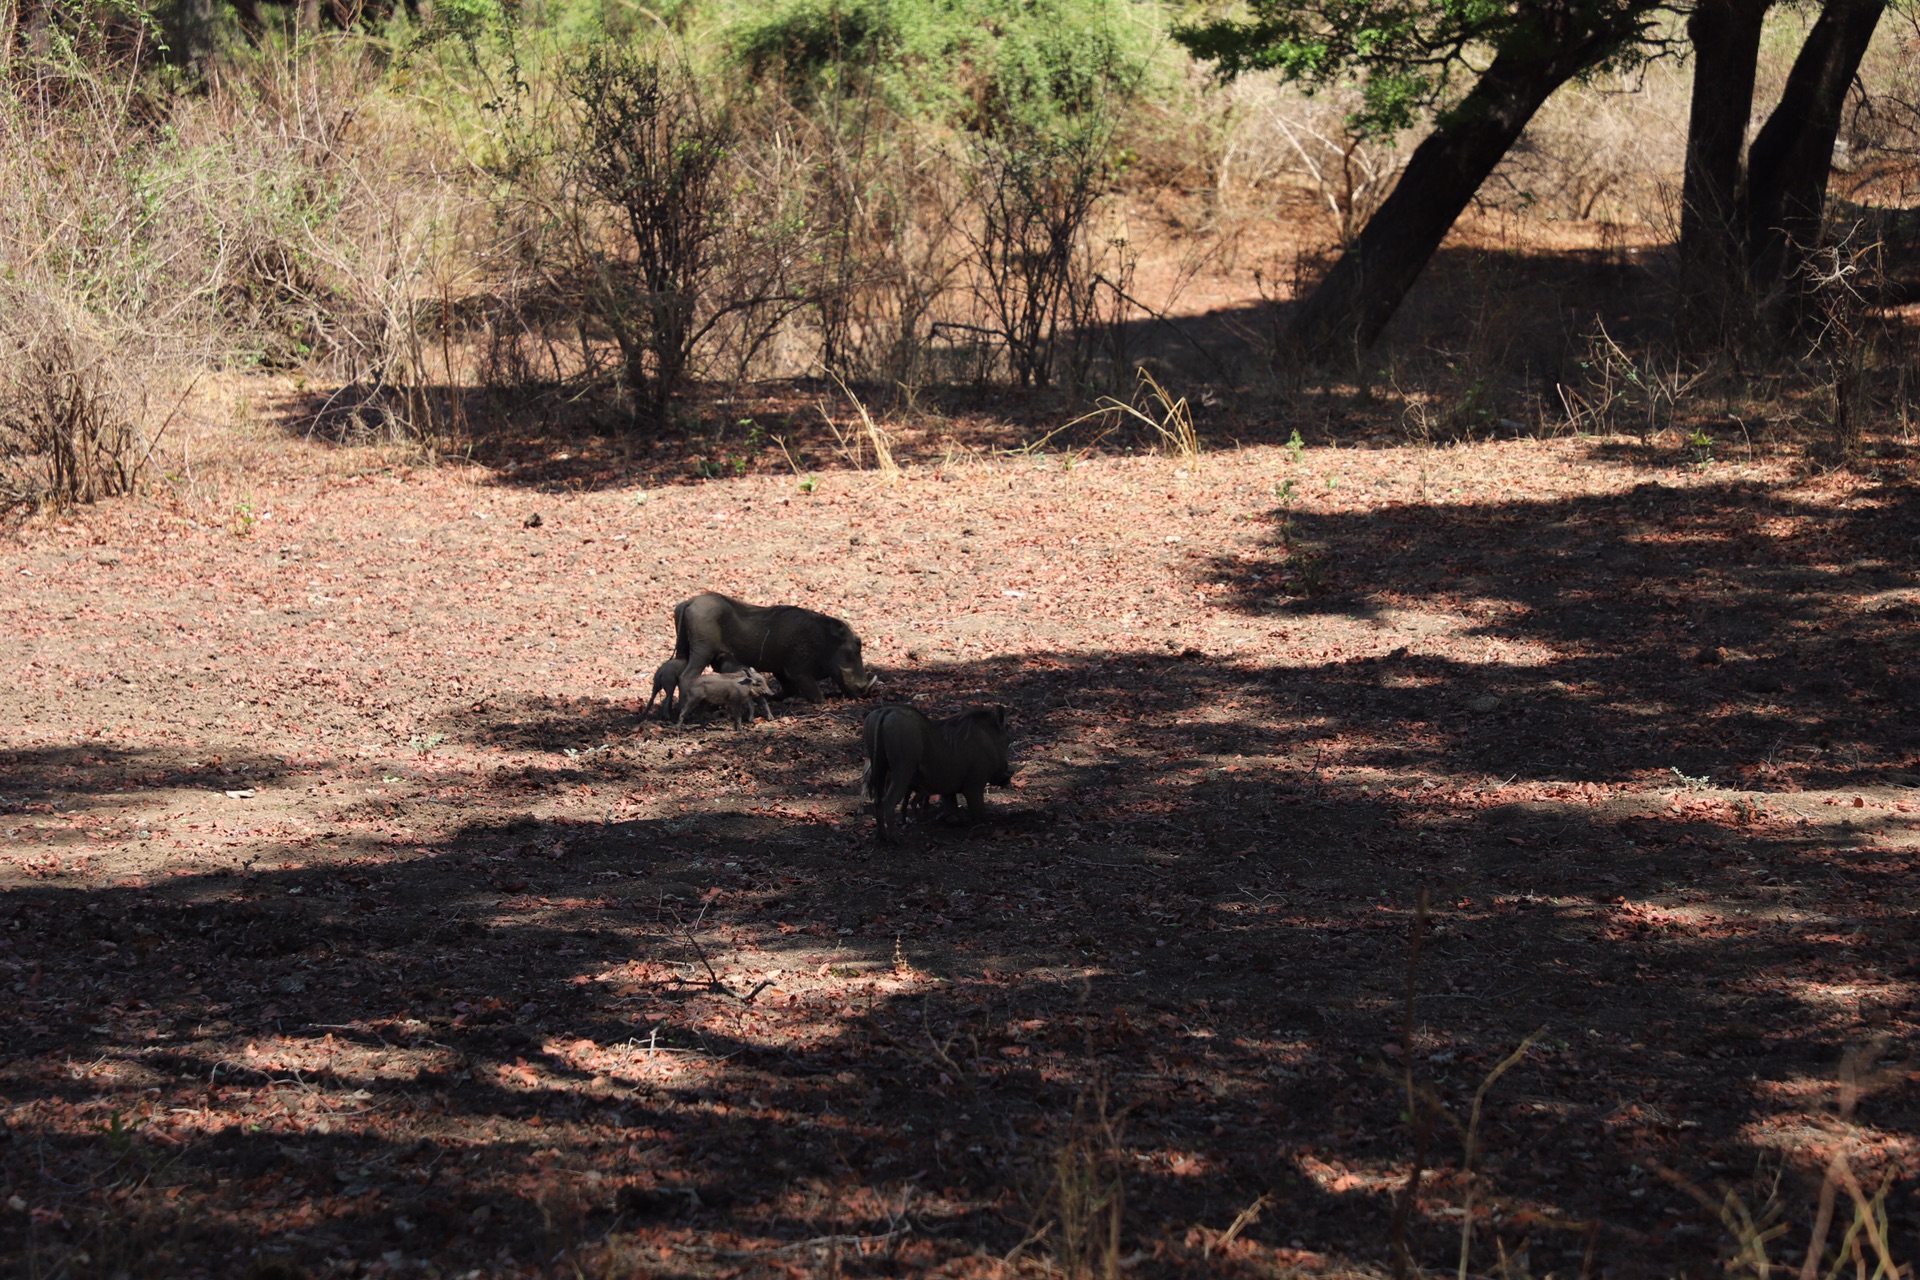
[{"x": 973, "y": 63}]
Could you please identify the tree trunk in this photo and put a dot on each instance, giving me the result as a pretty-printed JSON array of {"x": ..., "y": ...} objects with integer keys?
[
  {"x": 196, "y": 37},
  {"x": 1353, "y": 303},
  {"x": 1788, "y": 165},
  {"x": 1726, "y": 48}
]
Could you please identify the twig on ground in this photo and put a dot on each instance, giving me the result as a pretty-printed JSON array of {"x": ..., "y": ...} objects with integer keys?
[
  {"x": 1473, "y": 1142},
  {"x": 714, "y": 982},
  {"x": 1247, "y": 1217}
]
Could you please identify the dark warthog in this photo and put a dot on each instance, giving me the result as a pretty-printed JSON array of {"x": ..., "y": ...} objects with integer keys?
[
  {"x": 666, "y": 679},
  {"x": 959, "y": 756},
  {"x": 734, "y": 694},
  {"x": 798, "y": 647}
]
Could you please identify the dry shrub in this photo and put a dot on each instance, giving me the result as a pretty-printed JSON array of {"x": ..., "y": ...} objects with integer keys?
[
  {"x": 67, "y": 433},
  {"x": 1841, "y": 280},
  {"x": 1079, "y": 1201},
  {"x": 649, "y": 181},
  {"x": 1034, "y": 188},
  {"x": 291, "y": 216},
  {"x": 1624, "y": 392},
  {"x": 1879, "y": 153},
  {"x": 648, "y": 236},
  {"x": 887, "y": 210},
  {"x": 1280, "y": 138},
  {"x": 1609, "y": 150},
  {"x": 98, "y": 307},
  {"x": 346, "y": 233}
]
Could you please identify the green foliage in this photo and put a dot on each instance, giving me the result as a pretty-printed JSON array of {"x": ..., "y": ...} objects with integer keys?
[
  {"x": 973, "y": 63},
  {"x": 1700, "y": 447},
  {"x": 1406, "y": 55},
  {"x": 466, "y": 21}
]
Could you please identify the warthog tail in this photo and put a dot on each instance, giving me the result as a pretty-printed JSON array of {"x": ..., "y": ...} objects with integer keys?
[
  {"x": 680, "y": 649},
  {"x": 874, "y": 781}
]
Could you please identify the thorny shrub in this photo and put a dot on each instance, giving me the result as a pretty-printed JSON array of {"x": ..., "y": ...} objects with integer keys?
[
  {"x": 1034, "y": 191},
  {"x": 650, "y": 221},
  {"x": 66, "y": 433}
]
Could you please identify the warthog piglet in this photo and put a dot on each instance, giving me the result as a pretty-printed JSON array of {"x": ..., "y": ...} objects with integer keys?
[{"x": 734, "y": 694}]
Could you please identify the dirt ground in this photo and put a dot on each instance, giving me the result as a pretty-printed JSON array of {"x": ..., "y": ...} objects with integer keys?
[{"x": 353, "y": 921}]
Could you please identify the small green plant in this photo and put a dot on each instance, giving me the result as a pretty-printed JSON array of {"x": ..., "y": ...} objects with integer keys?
[
  {"x": 720, "y": 468},
  {"x": 119, "y": 1134},
  {"x": 756, "y": 434},
  {"x": 1295, "y": 445},
  {"x": 587, "y": 753},
  {"x": 425, "y": 745},
  {"x": 1700, "y": 783},
  {"x": 1469, "y": 410},
  {"x": 1700, "y": 448},
  {"x": 1307, "y": 574},
  {"x": 809, "y": 484},
  {"x": 243, "y": 518},
  {"x": 1303, "y": 571},
  {"x": 1286, "y": 494},
  {"x": 142, "y": 1164}
]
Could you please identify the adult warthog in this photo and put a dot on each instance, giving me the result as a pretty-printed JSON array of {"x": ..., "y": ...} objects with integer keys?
[
  {"x": 799, "y": 648},
  {"x": 908, "y": 754}
]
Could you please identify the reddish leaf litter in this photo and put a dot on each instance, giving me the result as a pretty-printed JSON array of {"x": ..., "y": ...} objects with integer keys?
[{"x": 354, "y": 923}]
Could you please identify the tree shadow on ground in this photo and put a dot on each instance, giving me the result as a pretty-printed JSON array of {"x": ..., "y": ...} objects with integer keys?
[
  {"x": 1725, "y": 630},
  {"x": 35, "y": 780},
  {"x": 720, "y": 1024},
  {"x": 1518, "y": 316}
]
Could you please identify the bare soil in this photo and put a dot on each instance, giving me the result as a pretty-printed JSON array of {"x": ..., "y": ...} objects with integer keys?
[{"x": 353, "y": 922}]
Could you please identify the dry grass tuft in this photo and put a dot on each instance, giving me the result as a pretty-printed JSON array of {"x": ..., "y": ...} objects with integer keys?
[
  {"x": 870, "y": 435},
  {"x": 1081, "y": 1201},
  {"x": 1170, "y": 418}
]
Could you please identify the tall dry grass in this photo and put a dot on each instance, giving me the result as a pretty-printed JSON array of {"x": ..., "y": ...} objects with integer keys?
[
  {"x": 296, "y": 215},
  {"x": 105, "y": 296}
]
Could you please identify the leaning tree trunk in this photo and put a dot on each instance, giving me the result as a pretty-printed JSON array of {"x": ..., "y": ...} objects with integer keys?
[
  {"x": 1725, "y": 35},
  {"x": 1788, "y": 164},
  {"x": 1353, "y": 303}
]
